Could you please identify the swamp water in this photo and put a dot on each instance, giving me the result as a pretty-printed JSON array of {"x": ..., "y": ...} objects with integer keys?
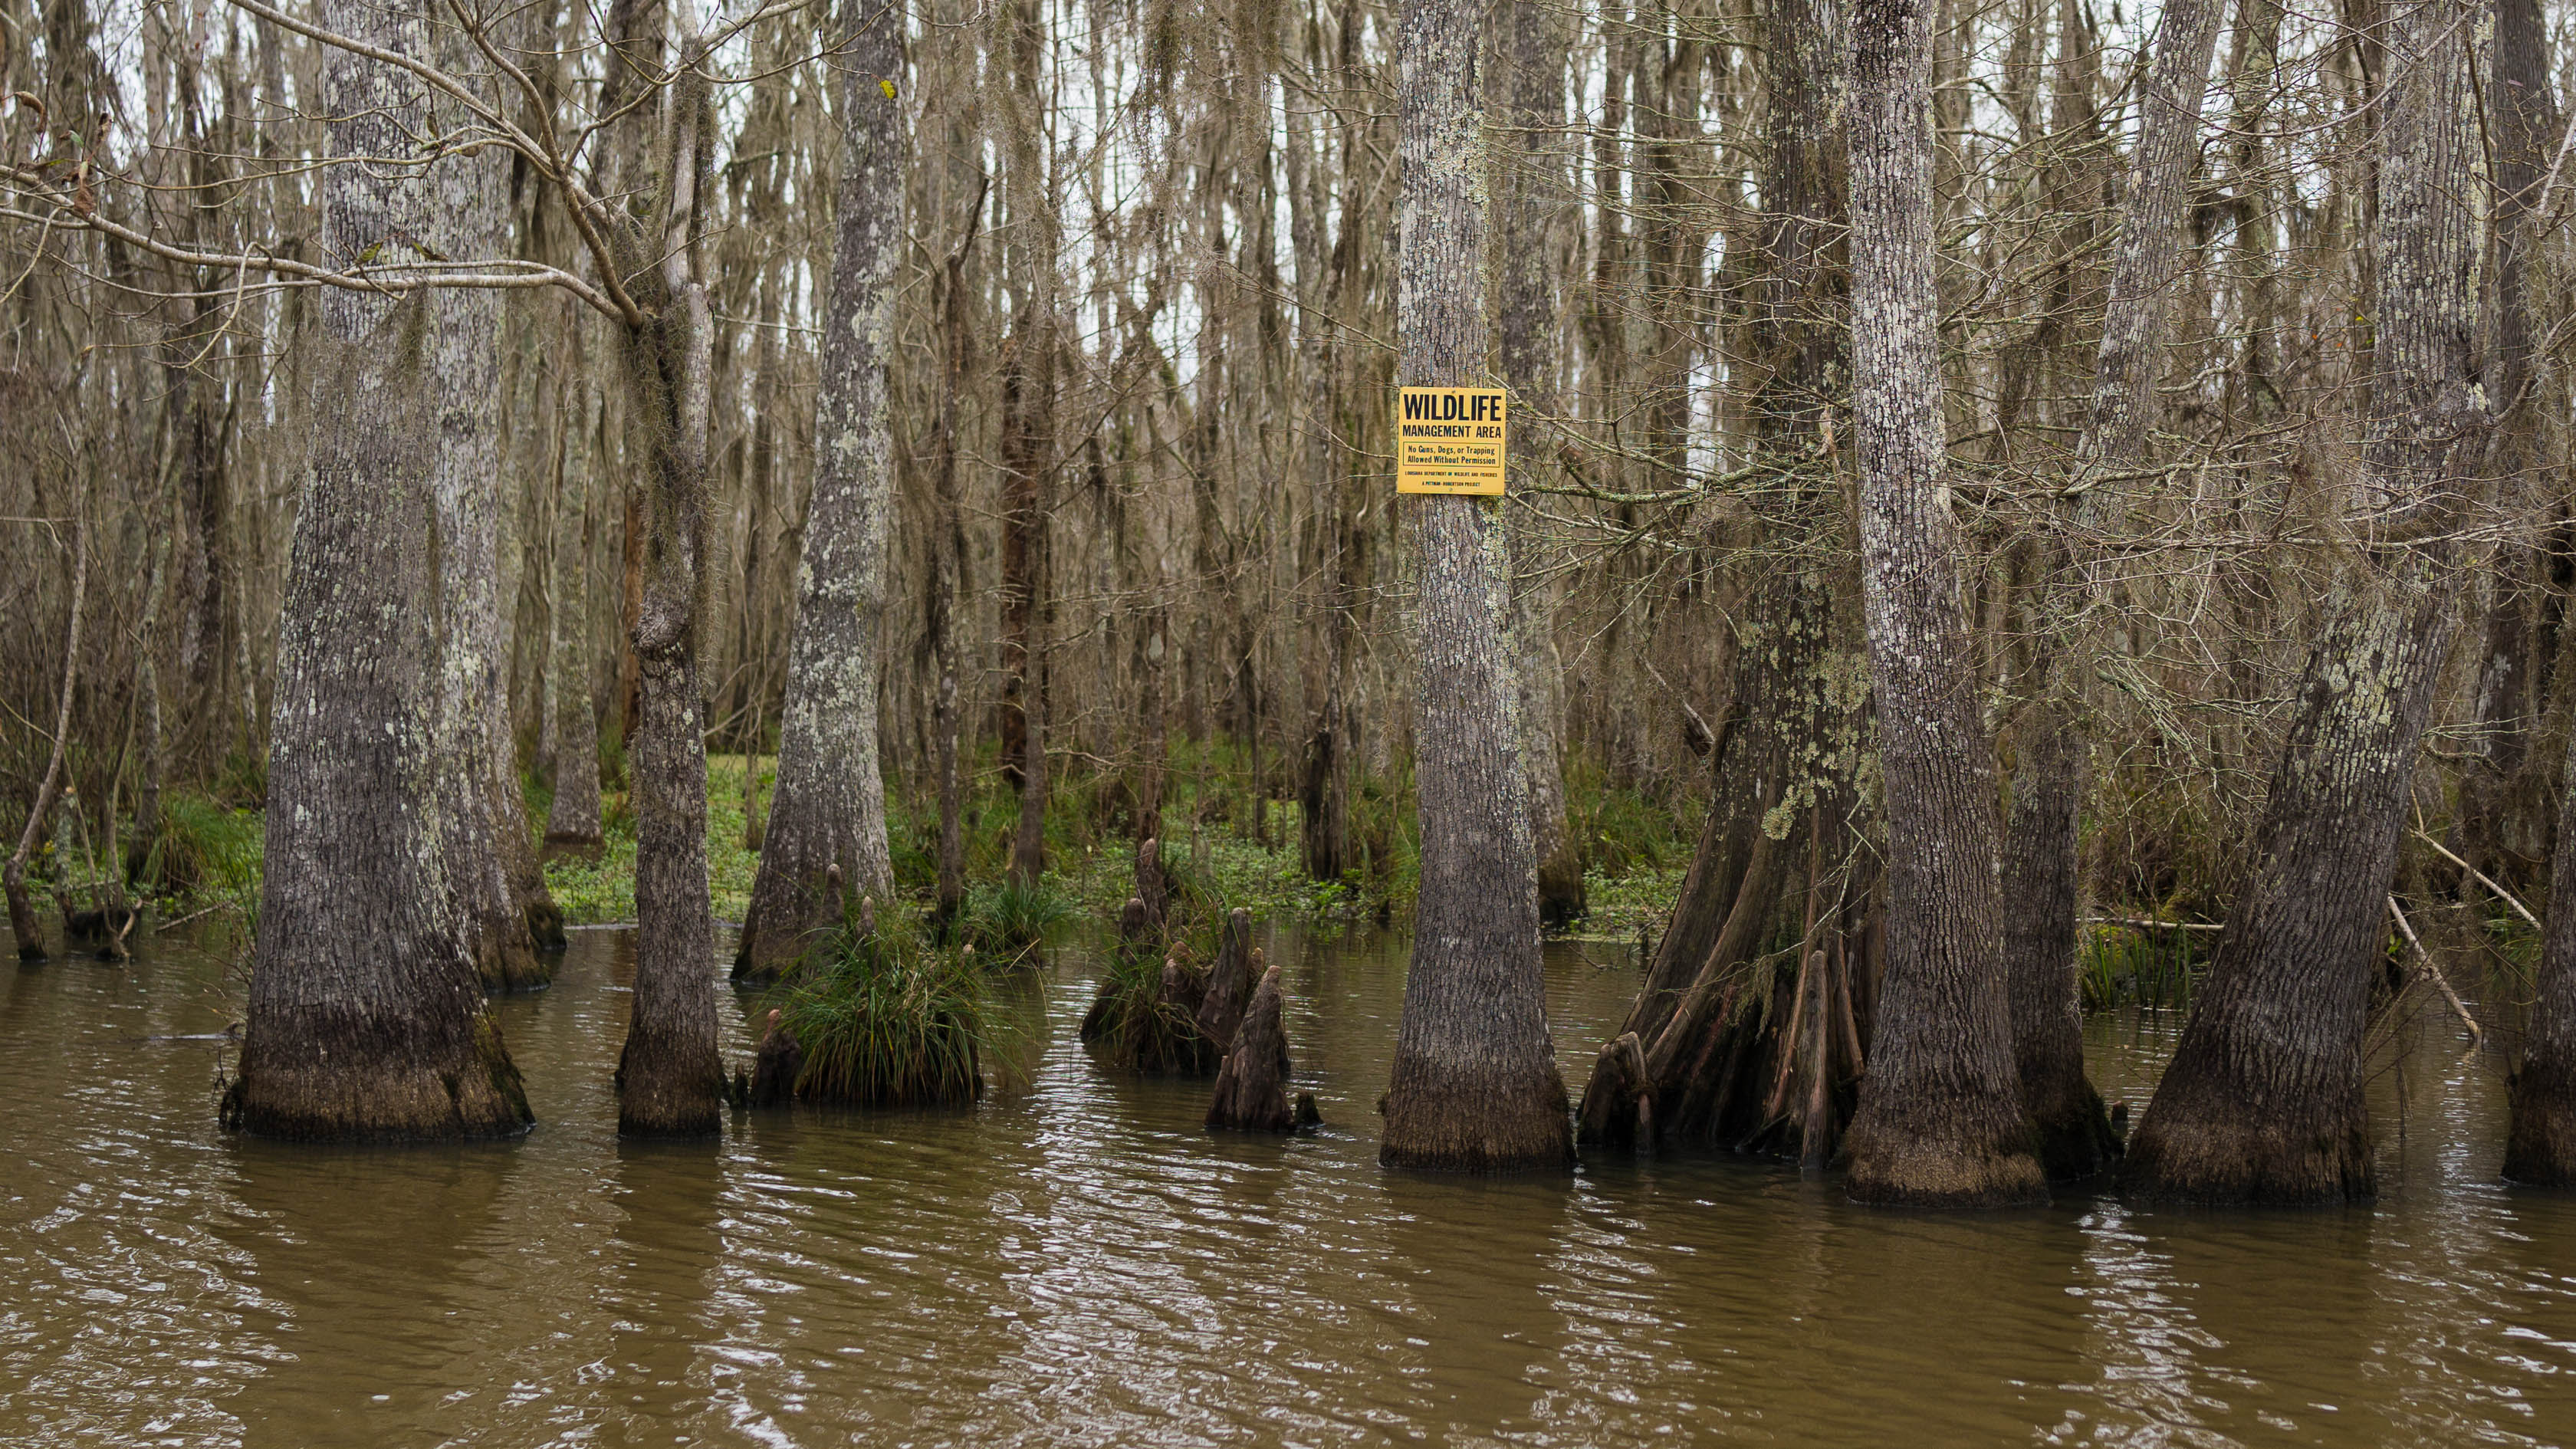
[{"x": 1078, "y": 1263}]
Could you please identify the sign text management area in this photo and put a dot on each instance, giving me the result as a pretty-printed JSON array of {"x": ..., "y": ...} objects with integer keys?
[{"x": 1450, "y": 440}]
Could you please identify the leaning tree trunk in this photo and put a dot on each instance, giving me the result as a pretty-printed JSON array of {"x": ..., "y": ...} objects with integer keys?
[
  {"x": 1733, "y": 1043},
  {"x": 2075, "y": 1136},
  {"x": 669, "y": 1080},
  {"x": 366, "y": 1019},
  {"x": 1475, "y": 1085},
  {"x": 829, "y": 805},
  {"x": 1940, "y": 1120},
  {"x": 2263, "y": 1099}
]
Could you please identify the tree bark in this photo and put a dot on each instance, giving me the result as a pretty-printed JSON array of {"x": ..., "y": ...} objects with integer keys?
[
  {"x": 1252, "y": 1084},
  {"x": 23, "y": 923},
  {"x": 484, "y": 825},
  {"x": 1778, "y": 853},
  {"x": 2263, "y": 1099},
  {"x": 948, "y": 571},
  {"x": 1940, "y": 1120},
  {"x": 1531, "y": 185},
  {"x": 2540, "y": 1132},
  {"x": 573, "y": 823},
  {"x": 365, "y": 1017},
  {"x": 2504, "y": 819},
  {"x": 1324, "y": 276},
  {"x": 1028, "y": 437},
  {"x": 1475, "y": 1085},
  {"x": 2040, "y": 866},
  {"x": 670, "y": 1082},
  {"x": 828, "y": 807}
]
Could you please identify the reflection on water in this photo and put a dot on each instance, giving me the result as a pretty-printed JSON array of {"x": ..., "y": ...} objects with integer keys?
[{"x": 1077, "y": 1263}]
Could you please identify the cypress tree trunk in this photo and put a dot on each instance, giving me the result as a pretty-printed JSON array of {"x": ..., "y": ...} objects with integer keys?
[
  {"x": 1475, "y": 1085},
  {"x": 2075, "y": 1136},
  {"x": 669, "y": 1080},
  {"x": 948, "y": 570},
  {"x": 1330, "y": 562},
  {"x": 2263, "y": 1099},
  {"x": 2540, "y": 1134},
  {"x": 483, "y": 824},
  {"x": 1940, "y": 1120},
  {"x": 829, "y": 805},
  {"x": 22, "y": 909},
  {"x": 1531, "y": 187},
  {"x": 573, "y": 824},
  {"x": 366, "y": 1017},
  {"x": 2540, "y": 1139},
  {"x": 1027, "y": 444},
  {"x": 1714, "y": 1061},
  {"x": 2504, "y": 815}
]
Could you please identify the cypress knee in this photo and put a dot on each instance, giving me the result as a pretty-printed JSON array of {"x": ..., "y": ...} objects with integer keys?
[
  {"x": 1230, "y": 982},
  {"x": 1252, "y": 1086}
]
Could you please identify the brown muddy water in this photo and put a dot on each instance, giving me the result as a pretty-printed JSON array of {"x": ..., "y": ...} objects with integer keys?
[{"x": 1078, "y": 1263}]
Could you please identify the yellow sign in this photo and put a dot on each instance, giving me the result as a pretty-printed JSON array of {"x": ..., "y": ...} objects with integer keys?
[{"x": 1449, "y": 440}]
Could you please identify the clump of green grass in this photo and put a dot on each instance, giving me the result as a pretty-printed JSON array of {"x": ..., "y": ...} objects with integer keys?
[
  {"x": 1138, "y": 1026},
  {"x": 887, "y": 1019},
  {"x": 1010, "y": 919},
  {"x": 206, "y": 849},
  {"x": 2118, "y": 965}
]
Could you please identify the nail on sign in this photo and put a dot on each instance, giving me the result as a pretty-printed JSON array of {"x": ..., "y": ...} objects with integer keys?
[{"x": 1449, "y": 440}]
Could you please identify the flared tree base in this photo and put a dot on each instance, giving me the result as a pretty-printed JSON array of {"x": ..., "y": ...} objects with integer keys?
[
  {"x": 546, "y": 930},
  {"x": 1562, "y": 899},
  {"x": 765, "y": 956},
  {"x": 514, "y": 967},
  {"x": 1477, "y": 1126},
  {"x": 669, "y": 1092},
  {"x": 2540, "y": 1134},
  {"x": 2198, "y": 1150},
  {"x": 2071, "y": 1127},
  {"x": 1953, "y": 1160},
  {"x": 308, "y": 1093}
]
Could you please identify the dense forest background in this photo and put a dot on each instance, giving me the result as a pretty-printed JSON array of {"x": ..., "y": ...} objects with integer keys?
[{"x": 1176, "y": 223}]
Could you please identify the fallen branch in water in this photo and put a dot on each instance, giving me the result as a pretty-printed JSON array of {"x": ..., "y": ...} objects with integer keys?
[
  {"x": 2482, "y": 878},
  {"x": 2142, "y": 923},
  {"x": 2406, "y": 928},
  {"x": 192, "y": 915}
]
